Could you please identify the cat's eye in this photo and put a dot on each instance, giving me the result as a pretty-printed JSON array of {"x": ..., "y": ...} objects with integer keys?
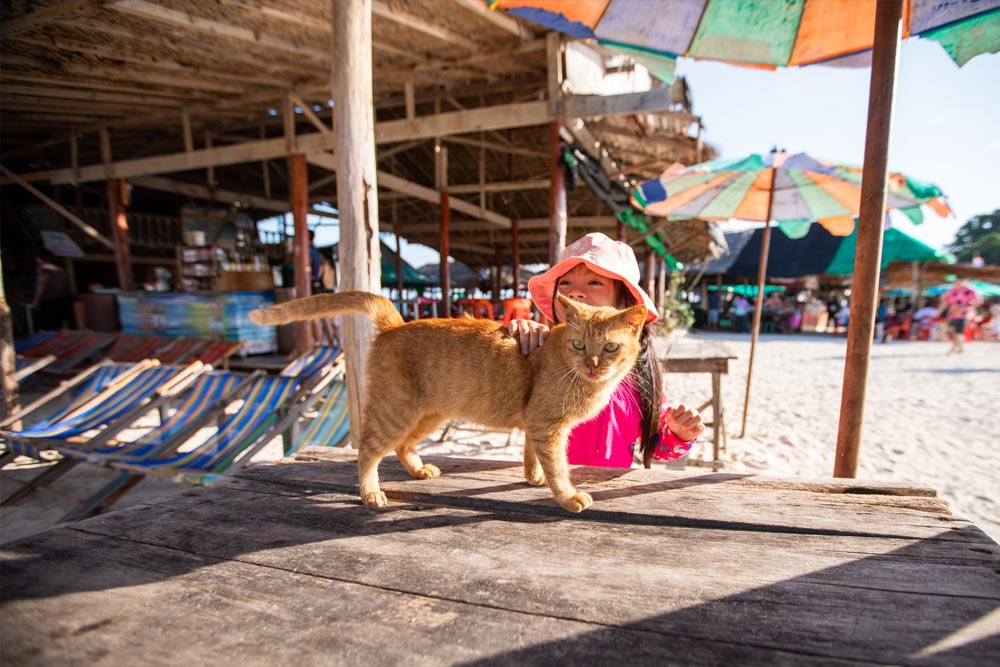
[
  {"x": 611, "y": 347},
  {"x": 578, "y": 345}
]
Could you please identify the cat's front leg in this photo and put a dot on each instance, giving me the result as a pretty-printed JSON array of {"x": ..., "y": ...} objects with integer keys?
[{"x": 551, "y": 454}]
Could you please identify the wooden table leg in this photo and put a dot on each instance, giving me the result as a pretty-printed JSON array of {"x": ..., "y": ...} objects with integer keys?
[{"x": 716, "y": 420}]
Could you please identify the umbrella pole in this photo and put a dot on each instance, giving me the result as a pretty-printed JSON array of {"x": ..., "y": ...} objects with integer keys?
[
  {"x": 868, "y": 254},
  {"x": 761, "y": 273}
]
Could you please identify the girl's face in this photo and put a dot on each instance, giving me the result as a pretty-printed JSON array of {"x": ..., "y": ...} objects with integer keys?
[{"x": 583, "y": 285}]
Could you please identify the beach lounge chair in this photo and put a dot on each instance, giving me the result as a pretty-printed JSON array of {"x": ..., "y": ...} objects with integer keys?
[
  {"x": 217, "y": 352},
  {"x": 132, "y": 348},
  {"x": 25, "y": 345},
  {"x": 271, "y": 405},
  {"x": 25, "y": 366},
  {"x": 102, "y": 401},
  {"x": 329, "y": 428},
  {"x": 205, "y": 399},
  {"x": 181, "y": 350}
]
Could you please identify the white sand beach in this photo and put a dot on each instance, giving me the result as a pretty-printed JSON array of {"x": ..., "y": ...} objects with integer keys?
[{"x": 930, "y": 418}]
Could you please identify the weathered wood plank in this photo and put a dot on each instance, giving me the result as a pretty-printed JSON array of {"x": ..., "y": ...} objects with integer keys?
[
  {"x": 656, "y": 497},
  {"x": 769, "y": 590},
  {"x": 74, "y": 598}
]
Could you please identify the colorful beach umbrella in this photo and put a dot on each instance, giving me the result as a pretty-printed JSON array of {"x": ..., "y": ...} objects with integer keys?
[
  {"x": 764, "y": 33},
  {"x": 791, "y": 190}
]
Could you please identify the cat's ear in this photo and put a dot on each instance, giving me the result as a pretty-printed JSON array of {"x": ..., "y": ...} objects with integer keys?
[
  {"x": 570, "y": 307},
  {"x": 634, "y": 318}
]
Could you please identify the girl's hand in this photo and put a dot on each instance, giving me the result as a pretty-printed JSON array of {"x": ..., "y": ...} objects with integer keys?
[
  {"x": 685, "y": 423},
  {"x": 531, "y": 334}
]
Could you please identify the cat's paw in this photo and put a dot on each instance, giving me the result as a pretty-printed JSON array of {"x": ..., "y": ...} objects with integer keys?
[
  {"x": 375, "y": 499},
  {"x": 427, "y": 471},
  {"x": 578, "y": 502}
]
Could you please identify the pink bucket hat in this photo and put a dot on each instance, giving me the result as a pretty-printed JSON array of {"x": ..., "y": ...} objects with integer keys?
[{"x": 600, "y": 254}]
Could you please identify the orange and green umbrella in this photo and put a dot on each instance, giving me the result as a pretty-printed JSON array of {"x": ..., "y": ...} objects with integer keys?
[
  {"x": 791, "y": 190},
  {"x": 762, "y": 33}
]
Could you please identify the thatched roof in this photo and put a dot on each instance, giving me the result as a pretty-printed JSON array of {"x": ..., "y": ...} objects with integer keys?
[{"x": 144, "y": 72}]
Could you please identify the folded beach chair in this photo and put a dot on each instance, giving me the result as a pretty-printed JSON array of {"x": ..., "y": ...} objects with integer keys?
[
  {"x": 71, "y": 348},
  {"x": 270, "y": 406},
  {"x": 181, "y": 350},
  {"x": 217, "y": 352},
  {"x": 205, "y": 399},
  {"x": 25, "y": 345},
  {"x": 132, "y": 348},
  {"x": 127, "y": 396},
  {"x": 329, "y": 428}
]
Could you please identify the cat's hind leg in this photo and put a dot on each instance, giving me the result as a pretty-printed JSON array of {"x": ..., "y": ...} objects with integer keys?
[
  {"x": 532, "y": 468},
  {"x": 381, "y": 430},
  {"x": 408, "y": 454}
]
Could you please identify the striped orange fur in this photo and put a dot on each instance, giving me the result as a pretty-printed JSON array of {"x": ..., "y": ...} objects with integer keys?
[{"x": 423, "y": 373}]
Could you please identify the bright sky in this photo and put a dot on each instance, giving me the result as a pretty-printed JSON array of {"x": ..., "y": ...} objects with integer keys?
[{"x": 946, "y": 126}]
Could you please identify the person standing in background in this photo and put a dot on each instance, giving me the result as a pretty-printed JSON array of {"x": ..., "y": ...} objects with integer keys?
[
  {"x": 959, "y": 302},
  {"x": 52, "y": 304}
]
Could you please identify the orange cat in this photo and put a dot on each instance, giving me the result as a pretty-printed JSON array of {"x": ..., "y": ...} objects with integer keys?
[{"x": 425, "y": 372}]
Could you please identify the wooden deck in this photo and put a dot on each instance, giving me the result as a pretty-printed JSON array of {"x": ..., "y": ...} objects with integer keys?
[{"x": 282, "y": 565}]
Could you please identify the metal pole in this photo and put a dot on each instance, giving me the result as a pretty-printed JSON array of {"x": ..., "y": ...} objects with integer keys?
[
  {"x": 868, "y": 254},
  {"x": 761, "y": 274}
]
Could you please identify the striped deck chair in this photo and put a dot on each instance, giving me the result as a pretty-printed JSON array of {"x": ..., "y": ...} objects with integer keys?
[
  {"x": 217, "y": 352},
  {"x": 126, "y": 396},
  {"x": 318, "y": 359},
  {"x": 25, "y": 345},
  {"x": 132, "y": 348},
  {"x": 85, "y": 345},
  {"x": 330, "y": 427},
  {"x": 270, "y": 406},
  {"x": 181, "y": 351},
  {"x": 205, "y": 399},
  {"x": 24, "y": 366}
]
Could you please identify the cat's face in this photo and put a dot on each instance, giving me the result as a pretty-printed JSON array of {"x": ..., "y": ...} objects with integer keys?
[{"x": 602, "y": 342}]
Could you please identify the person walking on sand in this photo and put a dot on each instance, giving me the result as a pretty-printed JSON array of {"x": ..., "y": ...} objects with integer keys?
[{"x": 959, "y": 301}]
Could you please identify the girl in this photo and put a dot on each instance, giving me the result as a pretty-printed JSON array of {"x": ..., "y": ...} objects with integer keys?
[{"x": 598, "y": 271}]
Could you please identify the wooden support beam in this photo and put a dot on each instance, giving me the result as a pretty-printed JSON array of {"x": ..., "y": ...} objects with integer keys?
[
  {"x": 498, "y": 19},
  {"x": 585, "y": 106},
  {"x": 213, "y": 29},
  {"x": 515, "y": 242},
  {"x": 299, "y": 174},
  {"x": 496, "y": 146},
  {"x": 56, "y": 206},
  {"x": 357, "y": 195},
  {"x": 74, "y": 152},
  {"x": 393, "y": 182},
  {"x": 501, "y": 186},
  {"x": 411, "y": 105},
  {"x": 557, "y": 199},
  {"x": 555, "y": 72},
  {"x": 186, "y": 131},
  {"x": 412, "y": 22},
  {"x": 203, "y": 192},
  {"x": 119, "y": 234},
  {"x": 40, "y": 17},
  {"x": 444, "y": 240},
  {"x": 211, "y": 168},
  {"x": 309, "y": 113}
]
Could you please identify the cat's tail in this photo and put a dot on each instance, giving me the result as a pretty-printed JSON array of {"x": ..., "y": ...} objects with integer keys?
[{"x": 383, "y": 313}]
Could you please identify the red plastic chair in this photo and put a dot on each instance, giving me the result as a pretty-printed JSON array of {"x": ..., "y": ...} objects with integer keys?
[{"x": 518, "y": 308}]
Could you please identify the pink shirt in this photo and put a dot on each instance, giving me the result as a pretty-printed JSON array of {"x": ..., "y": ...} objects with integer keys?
[
  {"x": 960, "y": 301},
  {"x": 609, "y": 438}
]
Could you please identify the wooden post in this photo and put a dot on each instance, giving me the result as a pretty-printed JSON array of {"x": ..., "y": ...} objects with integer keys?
[
  {"x": 119, "y": 234},
  {"x": 264, "y": 168},
  {"x": 357, "y": 194},
  {"x": 917, "y": 300},
  {"x": 868, "y": 254},
  {"x": 650, "y": 272},
  {"x": 497, "y": 274},
  {"x": 445, "y": 271},
  {"x": 515, "y": 225},
  {"x": 8, "y": 364},
  {"x": 761, "y": 274},
  {"x": 557, "y": 200},
  {"x": 661, "y": 283},
  {"x": 298, "y": 175}
]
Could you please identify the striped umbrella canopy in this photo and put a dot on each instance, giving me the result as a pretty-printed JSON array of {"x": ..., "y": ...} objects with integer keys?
[
  {"x": 791, "y": 190},
  {"x": 764, "y": 33}
]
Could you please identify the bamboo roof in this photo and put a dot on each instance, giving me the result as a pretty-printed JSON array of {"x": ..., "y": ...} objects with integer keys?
[{"x": 85, "y": 82}]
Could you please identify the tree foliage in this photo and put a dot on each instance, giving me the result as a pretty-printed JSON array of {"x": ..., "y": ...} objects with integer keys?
[{"x": 979, "y": 236}]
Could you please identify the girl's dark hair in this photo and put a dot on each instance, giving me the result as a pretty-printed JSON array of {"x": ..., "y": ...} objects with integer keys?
[{"x": 647, "y": 374}]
